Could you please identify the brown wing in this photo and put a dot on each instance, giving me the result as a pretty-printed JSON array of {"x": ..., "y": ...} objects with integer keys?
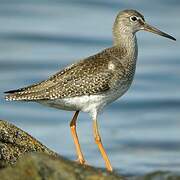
[{"x": 89, "y": 76}]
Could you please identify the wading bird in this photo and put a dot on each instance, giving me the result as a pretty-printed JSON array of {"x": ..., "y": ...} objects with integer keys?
[{"x": 94, "y": 82}]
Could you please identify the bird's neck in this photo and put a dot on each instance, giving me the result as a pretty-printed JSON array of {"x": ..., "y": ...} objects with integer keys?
[
  {"x": 123, "y": 38},
  {"x": 127, "y": 41}
]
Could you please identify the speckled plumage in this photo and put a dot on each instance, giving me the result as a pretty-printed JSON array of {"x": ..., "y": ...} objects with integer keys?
[
  {"x": 108, "y": 73},
  {"x": 91, "y": 84},
  {"x": 90, "y": 76},
  {"x": 104, "y": 76}
]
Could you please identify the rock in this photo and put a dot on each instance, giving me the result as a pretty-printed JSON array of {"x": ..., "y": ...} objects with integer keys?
[
  {"x": 14, "y": 143},
  {"x": 22, "y": 157},
  {"x": 159, "y": 175},
  {"x": 42, "y": 166}
]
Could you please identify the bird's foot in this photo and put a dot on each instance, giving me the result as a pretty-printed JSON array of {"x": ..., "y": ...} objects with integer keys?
[{"x": 82, "y": 162}]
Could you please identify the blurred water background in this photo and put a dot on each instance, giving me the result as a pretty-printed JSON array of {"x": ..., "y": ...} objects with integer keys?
[{"x": 141, "y": 131}]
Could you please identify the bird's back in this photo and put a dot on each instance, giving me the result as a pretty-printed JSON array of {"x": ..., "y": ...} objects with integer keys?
[{"x": 93, "y": 75}]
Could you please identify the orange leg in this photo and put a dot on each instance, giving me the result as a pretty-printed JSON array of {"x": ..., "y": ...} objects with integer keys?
[
  {"x": 75, "y": 138},
  {"x": 100, "y": 145}
]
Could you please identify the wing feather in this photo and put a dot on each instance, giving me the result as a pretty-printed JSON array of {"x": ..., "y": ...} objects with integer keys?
[{"x": 89, "y": 76}]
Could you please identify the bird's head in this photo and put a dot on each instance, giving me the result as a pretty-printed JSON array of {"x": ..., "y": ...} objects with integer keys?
[{"x": 131, "y": 21}]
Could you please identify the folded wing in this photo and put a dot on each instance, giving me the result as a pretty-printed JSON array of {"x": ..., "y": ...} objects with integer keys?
[{"x": 89, "y": 76}]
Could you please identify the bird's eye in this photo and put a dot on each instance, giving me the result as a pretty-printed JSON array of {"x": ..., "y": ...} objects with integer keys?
[{"x": 133, "y": 18}]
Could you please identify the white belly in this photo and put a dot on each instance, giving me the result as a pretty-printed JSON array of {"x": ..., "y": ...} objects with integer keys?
[
  {"x": 85, "y": 103},
  {"x": 82, "y": 103}
]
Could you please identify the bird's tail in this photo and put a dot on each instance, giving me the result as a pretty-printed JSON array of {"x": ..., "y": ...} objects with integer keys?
[
  {"x": 15, "y": 95},
  {"x": 23, "y": 95},
  {"x": 33, "y": 92}
]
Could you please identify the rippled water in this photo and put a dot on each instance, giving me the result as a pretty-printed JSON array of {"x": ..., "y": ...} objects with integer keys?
[{"x": 141, "y": 130}]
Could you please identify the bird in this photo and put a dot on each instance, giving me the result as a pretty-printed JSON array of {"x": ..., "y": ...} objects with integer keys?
[{"x": 92, "y": 83}]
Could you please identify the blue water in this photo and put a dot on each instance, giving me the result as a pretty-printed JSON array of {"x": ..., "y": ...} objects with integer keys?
[{"x": 141, "y": 131}]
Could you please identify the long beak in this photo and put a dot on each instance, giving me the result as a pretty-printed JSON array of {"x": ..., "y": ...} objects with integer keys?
[{"x": 154, "y": 30}]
